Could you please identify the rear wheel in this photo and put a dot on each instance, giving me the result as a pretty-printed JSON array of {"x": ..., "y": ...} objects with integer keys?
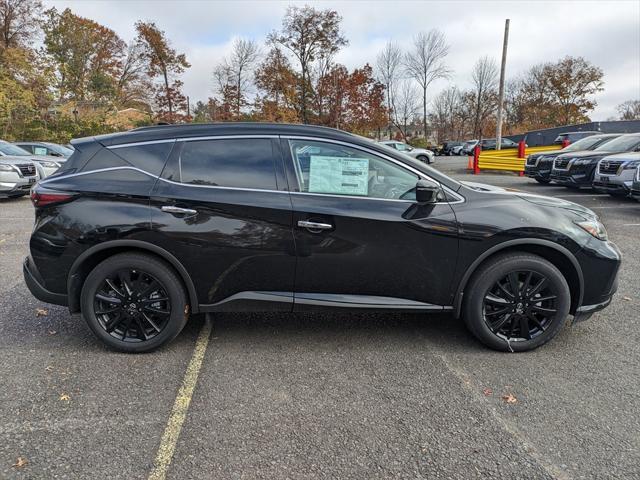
[
  {"x": 134, "y": 302},
  {"x": 516, "y": 302}
]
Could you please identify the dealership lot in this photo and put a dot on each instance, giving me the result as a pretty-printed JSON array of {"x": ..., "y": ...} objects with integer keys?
[{"x": 316, "y": 396}]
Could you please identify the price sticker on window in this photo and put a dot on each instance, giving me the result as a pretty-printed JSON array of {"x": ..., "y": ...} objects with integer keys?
[{"x": 339, "y": 175}]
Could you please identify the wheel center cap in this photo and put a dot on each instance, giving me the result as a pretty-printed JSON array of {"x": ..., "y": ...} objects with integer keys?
[
  {"x": 132, "y": 307},
  {"x": 519, "y": 308}
]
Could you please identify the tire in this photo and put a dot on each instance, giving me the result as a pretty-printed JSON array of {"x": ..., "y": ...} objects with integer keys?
[
  {"x": 544, "y": 318},
  {"x": 423, "y": 158},
  {"x": 618, "y": 194},
  {"x": 147, "y": 324},
  {"x": 544, "y": 181}
]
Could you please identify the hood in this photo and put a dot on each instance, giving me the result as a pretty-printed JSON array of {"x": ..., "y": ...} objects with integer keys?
[
  {"x": 541, "y": 200},
  {"x": 625, "y": 157},
  {"x": 585, "y": 154},
  {"x": 48, "y": 158},
  {"x": 16, "y": 160}
]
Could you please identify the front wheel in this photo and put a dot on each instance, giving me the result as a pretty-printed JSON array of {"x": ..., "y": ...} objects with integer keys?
[
  {"x": 134, "y": 302},
  {"x": 423, "y": 158},
  {"x": 516, "y": 302}
]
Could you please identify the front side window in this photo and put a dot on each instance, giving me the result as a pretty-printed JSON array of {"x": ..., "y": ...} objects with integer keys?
[
  {"x": 40, "y": 151},
  {"x": 327, "y": 168},
  {"x": 240, "y": 163}
]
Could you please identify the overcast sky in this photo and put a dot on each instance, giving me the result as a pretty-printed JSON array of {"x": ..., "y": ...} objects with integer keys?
[{"x": 607, "y": 33}]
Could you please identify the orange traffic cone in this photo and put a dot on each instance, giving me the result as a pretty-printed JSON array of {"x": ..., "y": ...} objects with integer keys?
[{"x": 470, "y": 163}]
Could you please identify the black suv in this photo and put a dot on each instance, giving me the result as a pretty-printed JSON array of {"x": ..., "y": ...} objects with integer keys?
[
  {"x": 538, "y": 165},
  {"x": 140, "y": 229},
  {"x": 577, "y": 169},
  {"x": 573, "y": 136}
]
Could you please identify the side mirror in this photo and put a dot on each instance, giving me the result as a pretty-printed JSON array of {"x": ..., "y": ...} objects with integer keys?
[{"x": 427, "y": 192}]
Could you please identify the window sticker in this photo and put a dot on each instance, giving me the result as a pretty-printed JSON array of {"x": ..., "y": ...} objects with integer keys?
[{"x": 341, "y": 175}]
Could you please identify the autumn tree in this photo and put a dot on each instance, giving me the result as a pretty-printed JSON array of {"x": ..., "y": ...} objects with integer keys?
[
  {"x": 389, "y": 71},
  {"x": 629, "y": 110},
  {"x": 19, "y": 22},
  {"x": 308, "y": 34},
  {"x": 406, "y": 106},
  {"x": 276, "y": 82},
  {"x": 162, "y": 61},
  {"x": 425, "y": 63},
  {"x": 87, "y": 56},
  {"x": 133, "y": 85}
]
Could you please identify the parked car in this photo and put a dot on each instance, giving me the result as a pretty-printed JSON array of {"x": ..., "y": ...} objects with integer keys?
[
  {"x": 578, "y": 169},
  {"x": 490, "y": 144},
  {"x": 615, "y": 173},
  {"x": 573, "y": 137},
  {"x": 538, "y": 165},
  {"x": 46, "y": 165},
  {"x": 447, "y": 147},
  {"x": 17, "y": 176},
  {"x": 457, "y": 150},
  {"x": 172, "y": 220},
  {"x": 45, "y": 148},
  {"x": 422, "y": 154},
  {"x": 635, "y": 186},
  {"x": 468, "y": 147}
]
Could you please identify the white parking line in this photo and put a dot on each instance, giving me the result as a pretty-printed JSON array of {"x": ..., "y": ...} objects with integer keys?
[
  {"x": 585, "y": 195},
  {"x": 620, "y": 205},
  {"x": 180, "y": 406}
]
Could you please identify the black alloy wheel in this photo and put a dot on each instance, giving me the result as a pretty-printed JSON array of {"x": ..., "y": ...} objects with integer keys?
[
  {"x": 516, "y": 302},
  {"x": 134, "y": 302},
  {"x": 520, "y": 306},
  {"x": 131, "y": 305}
]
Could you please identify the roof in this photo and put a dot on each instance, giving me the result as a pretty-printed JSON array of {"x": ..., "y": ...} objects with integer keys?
[{"x": 159, "y": 132}]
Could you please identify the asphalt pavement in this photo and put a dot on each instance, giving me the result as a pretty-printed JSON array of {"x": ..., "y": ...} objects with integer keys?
[{"x": 348, "y": 395}]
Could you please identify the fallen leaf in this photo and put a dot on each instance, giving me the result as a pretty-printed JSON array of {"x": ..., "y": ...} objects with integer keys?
[
  {"x": 627, "y": 299},
  {"x": 52, "y": 332},
  {"x": 49, "y": 368},
  {"x": 20, "y": 462},
  {"x": 509, "y": 398},
  {"x": 487, "y": 392},
  {"x": 65, "y": 397},
  {"x": 42, "y": 312}
]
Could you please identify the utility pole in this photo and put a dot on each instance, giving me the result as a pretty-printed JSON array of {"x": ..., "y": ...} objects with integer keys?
[
  {"x": 188, "y": 107},
  {"x": 501, "y": 91}
]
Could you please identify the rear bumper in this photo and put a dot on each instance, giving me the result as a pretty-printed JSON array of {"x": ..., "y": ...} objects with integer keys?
[{"x": 35, "y": 284}]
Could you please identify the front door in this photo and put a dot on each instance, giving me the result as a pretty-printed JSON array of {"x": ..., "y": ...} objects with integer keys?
[
  {"x": 361, "y": 239},
  {"x": 223, "y": 210}
]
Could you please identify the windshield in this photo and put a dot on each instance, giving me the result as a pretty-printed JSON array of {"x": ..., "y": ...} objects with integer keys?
[
  {"x": 587, "y": 143},
  {"x": 61, "y": 149},
  {"x": 621, "y": 144},
  {"x": 9, "y": 149}
]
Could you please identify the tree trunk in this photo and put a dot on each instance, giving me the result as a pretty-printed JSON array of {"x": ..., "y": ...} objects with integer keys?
[
  {"x": 169, "y": 102},
  {"x": 303, "y": 95},
  {"x": 424, "y": 112}
]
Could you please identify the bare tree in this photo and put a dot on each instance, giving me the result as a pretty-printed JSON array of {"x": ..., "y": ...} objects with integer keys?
[
  {"x": 425, "y": 63},
  {"x": 485, "y": 81},
  {"x": 244, "y": 57},
  {"x": 448, "y": 114},
  {"x": 629, "y": 110},
  {"x": 388, "y": 66},
  {"x": 405, "y": 106}
]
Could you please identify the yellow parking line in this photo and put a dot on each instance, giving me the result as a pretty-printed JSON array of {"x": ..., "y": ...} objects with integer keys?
[{"x": 180, "y": 407}]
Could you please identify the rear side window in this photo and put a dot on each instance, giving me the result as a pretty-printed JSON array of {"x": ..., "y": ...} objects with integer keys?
[
  {"x": 150, "y": 158},
  {"x": 240, "y": 163}
]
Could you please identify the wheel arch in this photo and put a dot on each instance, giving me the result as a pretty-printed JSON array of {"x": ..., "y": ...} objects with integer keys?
[
  {"x": 558, "y": 255},
  {"x": 94, "y": 255}
]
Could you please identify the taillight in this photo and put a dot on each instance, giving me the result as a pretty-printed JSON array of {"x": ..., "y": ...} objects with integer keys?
[{"x": 41, "y": 197}]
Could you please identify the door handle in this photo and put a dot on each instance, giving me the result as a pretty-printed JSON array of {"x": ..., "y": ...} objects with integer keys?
[
  {"x": 174, "y": 209},
  {"x": 314, "y": 225}
]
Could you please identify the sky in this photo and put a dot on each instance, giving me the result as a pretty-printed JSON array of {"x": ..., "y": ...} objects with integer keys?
[{"x": 605, "y": 32}]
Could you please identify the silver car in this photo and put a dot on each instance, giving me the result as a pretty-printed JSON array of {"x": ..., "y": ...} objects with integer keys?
[
  {"x": 17, "y": 175},
  {"x": 615, "y": 173},
  {"x": 422, "y": 154},
  {"x": 47, "y": 149},
  {"x": 46, "y": 165}
]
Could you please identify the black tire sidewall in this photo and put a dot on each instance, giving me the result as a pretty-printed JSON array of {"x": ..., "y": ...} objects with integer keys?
[
  {"x": 162, "y": 273},
  {"x": 491, "y": 273}
]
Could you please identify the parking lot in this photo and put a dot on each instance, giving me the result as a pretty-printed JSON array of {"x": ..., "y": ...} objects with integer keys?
[{"x": 323, "y": 395}]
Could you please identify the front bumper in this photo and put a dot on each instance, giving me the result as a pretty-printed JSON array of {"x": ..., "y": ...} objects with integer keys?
[
  {"x": 635, "y": 190},
  {"x": 600, "y": 262},
  {"x": 614, "y": 183},
  {"x": 572, "y": 178},
  {"x": 35, "y": 284}
]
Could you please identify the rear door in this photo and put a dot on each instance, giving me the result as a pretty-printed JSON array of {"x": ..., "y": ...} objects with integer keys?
[
  {"x": 222, "y": 208},
  {"x": 362, "y": 241}
]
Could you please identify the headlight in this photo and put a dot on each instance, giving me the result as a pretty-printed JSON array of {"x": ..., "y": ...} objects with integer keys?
[
  {"x": 630, "y": 165},
  {"x": 593, "y": 227},
  {"x": 48, "y": 164}
]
